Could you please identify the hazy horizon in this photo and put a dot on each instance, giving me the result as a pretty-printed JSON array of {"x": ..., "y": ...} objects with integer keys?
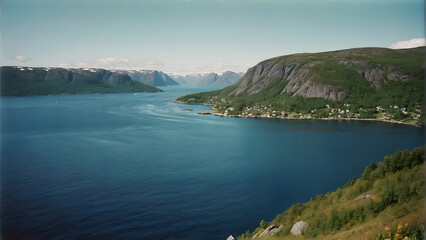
[{"x": 197, "y": 36}]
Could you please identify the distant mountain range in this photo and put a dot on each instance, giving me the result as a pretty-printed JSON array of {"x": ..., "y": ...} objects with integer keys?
[
  {"x": 210, "y": 79},
  {"x": 27, "y": 81},
  {"x": 150, "y": 77}
]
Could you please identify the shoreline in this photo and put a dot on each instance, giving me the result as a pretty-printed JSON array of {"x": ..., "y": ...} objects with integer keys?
[
  {"x": 68, "y": 94},
  {"x": 175, "y": 101},
  {"x": 293, "y": 118},
  {"x": 324, "y": 119}
]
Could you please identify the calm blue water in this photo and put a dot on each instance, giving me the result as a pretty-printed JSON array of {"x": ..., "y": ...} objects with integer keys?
[{"x": 119, "y": 166}]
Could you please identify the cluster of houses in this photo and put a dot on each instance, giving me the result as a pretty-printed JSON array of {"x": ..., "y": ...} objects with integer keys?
[
  {"x": 223, "y": 106},
  {"x": 414, "y": 115}
]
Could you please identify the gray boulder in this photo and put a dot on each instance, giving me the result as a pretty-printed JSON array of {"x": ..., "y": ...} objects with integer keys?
[{"x": 298, "y": 227}]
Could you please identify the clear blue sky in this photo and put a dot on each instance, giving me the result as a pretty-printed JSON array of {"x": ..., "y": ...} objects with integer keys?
[{"x": 190, "y": 36}]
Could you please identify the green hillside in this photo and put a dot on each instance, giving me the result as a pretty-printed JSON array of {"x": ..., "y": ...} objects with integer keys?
[
  {"x": 375, "y": 83},
  {"x": 385, "y": 203}
]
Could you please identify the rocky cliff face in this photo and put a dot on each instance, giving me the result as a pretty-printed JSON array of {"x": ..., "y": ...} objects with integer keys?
[
  {"x": 375, "y": 73},
  {"x": 299, "y": 80},
  {"x": 325, "y": 75},
  {"x": 153, "y": 78}
]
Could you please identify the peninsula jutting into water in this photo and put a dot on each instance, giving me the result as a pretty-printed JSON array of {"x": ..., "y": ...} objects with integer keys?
[{"x": 364, "y": 83}]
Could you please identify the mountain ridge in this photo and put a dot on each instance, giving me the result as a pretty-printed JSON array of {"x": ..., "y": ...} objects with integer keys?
[
  {"x": 29, "y": 81},
  {"x": 302, "y": 82}
]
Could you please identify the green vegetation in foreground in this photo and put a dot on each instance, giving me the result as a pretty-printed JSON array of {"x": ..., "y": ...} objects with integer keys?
[
  {"x": 394, "y": 210},
  {"x": 398, "y": 100}
]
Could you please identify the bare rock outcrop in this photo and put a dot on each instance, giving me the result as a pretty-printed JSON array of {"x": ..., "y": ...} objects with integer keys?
[
  {"x": 377, "y": 74},
  {"x": 363, "y": 196},
  {"x": 300, "y": 81},
  {"x": 270, "y": 230}
]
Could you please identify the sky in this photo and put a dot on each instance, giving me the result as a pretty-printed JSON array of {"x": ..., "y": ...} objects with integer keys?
[{"x": 197, "y": 36}]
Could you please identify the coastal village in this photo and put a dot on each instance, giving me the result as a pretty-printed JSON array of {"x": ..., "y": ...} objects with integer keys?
[{"x": 392, "y": 113}]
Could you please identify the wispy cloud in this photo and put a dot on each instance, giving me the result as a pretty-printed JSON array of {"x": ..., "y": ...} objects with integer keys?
[
  {"x": 20, "y": 58},
  {"x": 154, "y": 64},
  {"x": 415, "y": 42},
  {"x": 113, "y": 63}
]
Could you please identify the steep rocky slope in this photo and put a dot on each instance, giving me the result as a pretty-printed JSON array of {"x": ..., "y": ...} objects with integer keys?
[{"x": 330, "y": 75}]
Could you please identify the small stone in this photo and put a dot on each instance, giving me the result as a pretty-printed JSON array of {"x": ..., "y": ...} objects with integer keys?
[
  {"x": 230, "y": 237},
  {"x": 362, "y": 196}
]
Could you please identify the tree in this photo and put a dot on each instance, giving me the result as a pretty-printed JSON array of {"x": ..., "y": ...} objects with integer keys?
[
  {"x": 417, "y": 156},
  {"x": 263, "y": 224},
  {"x": 368, "y": 170},
  {"x": 388, "y": 194}
]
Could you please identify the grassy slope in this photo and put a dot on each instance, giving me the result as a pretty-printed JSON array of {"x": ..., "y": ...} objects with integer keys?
[
  {"x": 396, "y": 186},
  {"x": 360, "y": 92}
]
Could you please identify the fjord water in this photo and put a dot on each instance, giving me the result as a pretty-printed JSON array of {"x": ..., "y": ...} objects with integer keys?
[{"x": 125, "y": 166}]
